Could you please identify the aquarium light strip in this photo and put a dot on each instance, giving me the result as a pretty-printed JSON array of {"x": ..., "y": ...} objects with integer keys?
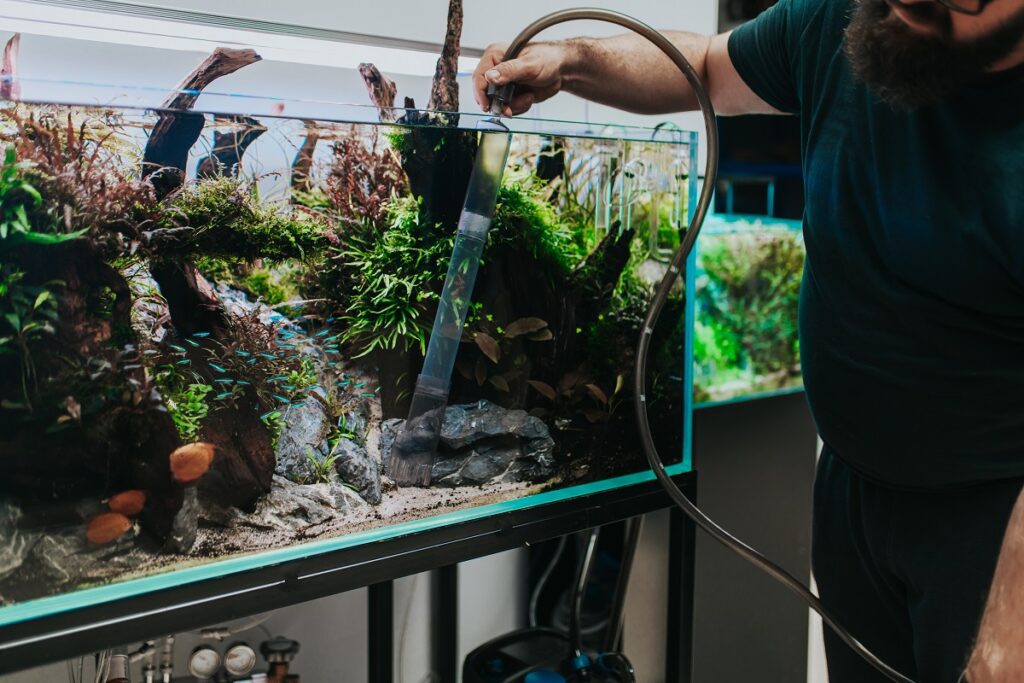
[
  {"x": 88, "y": 597},
  {"x": 50, "y": 19}
]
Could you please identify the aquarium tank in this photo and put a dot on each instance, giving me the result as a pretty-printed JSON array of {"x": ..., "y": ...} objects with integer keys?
[
  {"x": 213, "y": 310},
  {"x": 747, "y": 290}
]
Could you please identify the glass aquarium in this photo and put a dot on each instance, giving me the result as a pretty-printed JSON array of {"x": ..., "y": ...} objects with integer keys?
[
  {"x": 214, "y": 308},
  {"x": 747, "y": 289}
]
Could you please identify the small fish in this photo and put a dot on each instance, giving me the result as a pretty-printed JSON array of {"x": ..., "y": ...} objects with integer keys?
[
  {"x": 244, "y": 354},
  {"x": 360, "y": 385},
  {"x": 344, "y": 384},
  {"x": 242, "y": 382},
  {"x": 286, "y": 346},
  {"x": 332, "y": 338},
  {"x": 179, "y": 349},
  {"x": 251, "y": 361},
  {"x": 200, "y": 334},
  {"x": 183, "y": 362},
  {"x": 322, "y": 333},
  {"x": 264, "y": 416},
  {"x": 268, "y": 356},
  {"x": 282, "y": 399},
  {"x": 224, "y": 381},
  {"x": 279, "y": 378},
  {"x": 289, "y": 387},
  {"x": 217, "y": 367},
  {"x": 192, "y": 342},
  {"x": 369, "y": 395},
  {"x": 223, "y": 395}
]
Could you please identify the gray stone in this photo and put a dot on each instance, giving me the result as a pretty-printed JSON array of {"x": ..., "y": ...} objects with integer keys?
[
  {"x": 355, "y": 466},
  {"x": 288, "y": 507},
  {"x": 304, "y": 430},
  {"x": 483, "y": 443},
  {"x": 185, "y": 526},
  {"x": 67, "y": 558},
  {"x": 15, "y": 543}
]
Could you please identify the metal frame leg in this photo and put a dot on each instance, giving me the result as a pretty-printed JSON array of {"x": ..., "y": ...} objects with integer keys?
[
  {"x": 380, "y": 610},
  {"x": 679, "y": 630},
  {"x": 445, "y": 655}
]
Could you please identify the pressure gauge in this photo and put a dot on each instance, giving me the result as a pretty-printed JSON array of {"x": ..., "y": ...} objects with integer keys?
[
  {"x": 239, "y": 659},
  {"x": 204, "y": 662}
]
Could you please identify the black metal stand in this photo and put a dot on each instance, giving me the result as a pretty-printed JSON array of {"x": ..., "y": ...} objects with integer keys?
[
  {"x": 445, "y": 655},
  {"x": 679, "y": 630},
  {"x": 380, "y": 608}
]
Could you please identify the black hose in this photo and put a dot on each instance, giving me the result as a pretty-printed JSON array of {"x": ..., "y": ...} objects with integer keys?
[
  {"x": 579, "y": 590},
  {"x": 676, "y": 268}
]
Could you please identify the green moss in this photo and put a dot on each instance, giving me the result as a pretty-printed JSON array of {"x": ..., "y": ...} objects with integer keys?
[
  {"x": 262, "y": 284},
  {"x": 228, "y": 221},
  {"x": 524, "y": 219}
]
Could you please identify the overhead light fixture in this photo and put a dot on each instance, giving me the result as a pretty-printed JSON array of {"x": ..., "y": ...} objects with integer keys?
[{"x": 123, "y": 28}]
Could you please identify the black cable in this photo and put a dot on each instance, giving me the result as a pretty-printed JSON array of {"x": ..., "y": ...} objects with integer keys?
[
  {"x": 579, "y": 590},
  {"x": 677, "y": 268}
]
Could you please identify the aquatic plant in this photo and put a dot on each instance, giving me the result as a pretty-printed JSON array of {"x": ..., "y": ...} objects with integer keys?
[
  {"x": 186, "y": 401},
  {"x": 26, "y": 314},
  {"x": 751, "y": 297},
  {"x": 322, "y": 468},
  {"x": 221, "y": 217}
]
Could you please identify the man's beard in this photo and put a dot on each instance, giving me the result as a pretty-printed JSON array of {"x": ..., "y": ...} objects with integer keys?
[{"x": 908, "y": 69}]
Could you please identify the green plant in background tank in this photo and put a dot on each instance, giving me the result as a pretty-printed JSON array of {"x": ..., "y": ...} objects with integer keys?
[{"x": 748, "y": 301}]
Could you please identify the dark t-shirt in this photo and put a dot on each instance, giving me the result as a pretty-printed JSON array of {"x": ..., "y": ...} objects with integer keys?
[{"x": 912, "y": 302}]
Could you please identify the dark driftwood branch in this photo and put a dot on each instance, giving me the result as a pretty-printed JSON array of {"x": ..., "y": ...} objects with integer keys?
[
  {"x": 221, "y": 62},
  {"x": 302, "y": 166},
  {"x": 177, "y": 129},
  {"x": 382, "y": 91},
  {"x": 9, "y": 88},
  {"x": 229, "y": 147},
  {"x": 444, "y": 93}
]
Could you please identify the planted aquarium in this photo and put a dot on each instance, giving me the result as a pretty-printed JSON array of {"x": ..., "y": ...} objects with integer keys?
[
  {"x": 747, "y": 291},
  {"x": 214, "y": 310}
]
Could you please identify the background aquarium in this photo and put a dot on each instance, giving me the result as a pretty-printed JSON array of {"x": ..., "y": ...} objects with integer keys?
[
  {"x": 211, "y": 323},
  {"x": 748, "y": 285}
]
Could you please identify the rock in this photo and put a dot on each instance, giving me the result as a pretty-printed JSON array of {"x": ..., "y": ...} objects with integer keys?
[
  {"x": 15, "y": 544},
  {"x": 483, "y": 443},
  {"x": 355, "y": 466},
  {"x": 67, "y": 559},
  {"x": 289, "y": 507},
  {"x": 305, "y": 429},
  {"x": 185, "y": 526}
]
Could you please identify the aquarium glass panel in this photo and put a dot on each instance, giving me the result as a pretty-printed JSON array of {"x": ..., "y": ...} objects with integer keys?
[
  {"x": 214, "y": 309},
  {"x": 748, "y": 283}
]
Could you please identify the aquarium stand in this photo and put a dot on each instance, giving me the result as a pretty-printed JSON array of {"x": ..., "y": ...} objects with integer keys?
[{"x": 63, "y": 634}]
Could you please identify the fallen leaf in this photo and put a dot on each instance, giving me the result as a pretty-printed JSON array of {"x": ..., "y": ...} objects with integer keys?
[
  {"x": 481, "y": 372},
  {"x": 107, "y": 527},
  {"x": 543, "y": 335},
  {"x": 597, "y": 393},
  {"x": 128, "y": 503},
  {"x": 499, "y": 382}
]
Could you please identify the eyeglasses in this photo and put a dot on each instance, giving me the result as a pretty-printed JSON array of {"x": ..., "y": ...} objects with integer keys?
[{"x": 972, "y": 7}]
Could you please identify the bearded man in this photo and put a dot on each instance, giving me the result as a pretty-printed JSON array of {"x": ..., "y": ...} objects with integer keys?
[{"x": 912, "y": 301}]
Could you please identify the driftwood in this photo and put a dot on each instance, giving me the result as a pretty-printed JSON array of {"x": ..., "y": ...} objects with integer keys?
[
  {"x": 382, "y": 91},
  {"x": 177, "y": 129},
  {"x": 229, "y": 147},
  {"x": 302, "y": 166},
  {"x": 444, "y": 92},
  {"x": 244, "y": 462},
  {"x": 9, "y": 87}
]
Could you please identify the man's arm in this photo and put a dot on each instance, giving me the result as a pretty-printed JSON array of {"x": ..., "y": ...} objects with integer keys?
[
  {"x": 626, "y": 72},
  {"x": 998, "y": 655}
]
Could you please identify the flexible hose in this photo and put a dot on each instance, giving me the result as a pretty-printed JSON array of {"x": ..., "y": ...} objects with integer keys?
[{"x": 676, "y": 268}]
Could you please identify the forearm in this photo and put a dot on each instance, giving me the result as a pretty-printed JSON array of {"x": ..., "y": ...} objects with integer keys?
[
  {"x": 997, "y": 653},
  {"x": 629, "y": 72}
]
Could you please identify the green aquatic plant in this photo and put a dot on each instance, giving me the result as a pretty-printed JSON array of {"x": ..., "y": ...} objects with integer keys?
[
  {"x": 386, "y": 285},
  {"x": 27, "y": 313},
  {"x": 751, "y": 297},
  {"x": 221, "y": 217},
  {"x": 524, "y": 219},
  {"x": 323, "y": 467},
  {"x": 186, "y": 399}
]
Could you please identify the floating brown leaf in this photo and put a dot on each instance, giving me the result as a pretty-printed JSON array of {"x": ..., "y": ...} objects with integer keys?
[
  {"x": 190, "y": 462},
  {"x": 107, "y": 527},
  {"x": 543, "y": 335},
  {"x": 499, "y": 382},
  {"x": 524, "y": 326},
  {"x": 481, "y": 372},
  {"x": 597, "y": 393},
  {"x": 128, "y": 503},
  {"x": 488, "y": 346},
  {"x": 545, "y": 389}
]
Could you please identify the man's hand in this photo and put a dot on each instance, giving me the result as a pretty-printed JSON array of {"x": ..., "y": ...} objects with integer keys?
[
  {"x": 539, "y": 73},
  {"x": 998, "y": 656}
]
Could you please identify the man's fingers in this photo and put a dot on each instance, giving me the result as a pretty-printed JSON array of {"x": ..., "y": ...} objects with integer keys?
[
  {"x": 512, "y": 71},
  {"x": 522, "y": 102}
]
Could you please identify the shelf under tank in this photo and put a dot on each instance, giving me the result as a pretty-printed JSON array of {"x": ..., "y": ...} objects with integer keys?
[{"x": 213, "y": 309}]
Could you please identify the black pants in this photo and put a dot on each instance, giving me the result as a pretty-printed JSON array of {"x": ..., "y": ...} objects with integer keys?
[{"x": 906, "y": 572}]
